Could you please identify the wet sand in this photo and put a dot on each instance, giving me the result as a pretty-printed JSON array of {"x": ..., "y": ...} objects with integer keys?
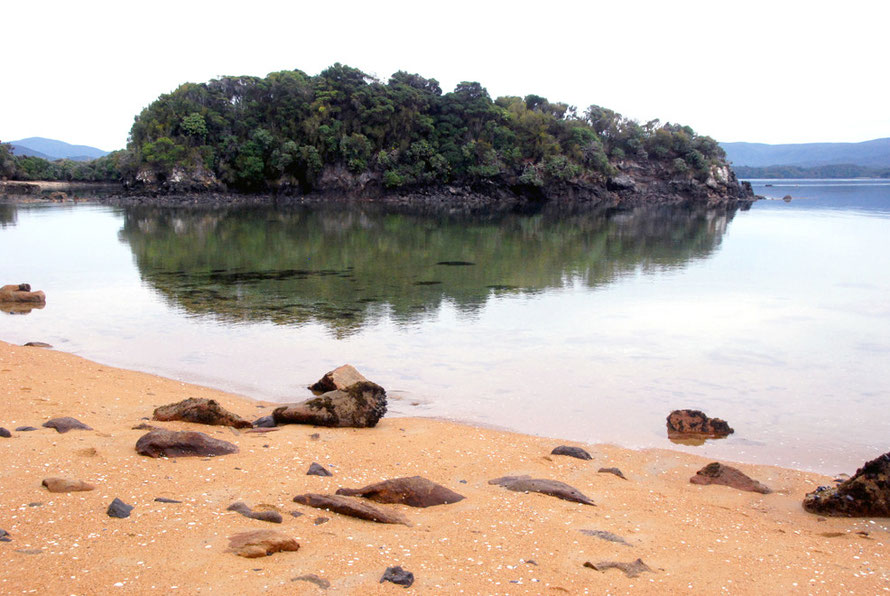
[{"x": 696, "y": 539}]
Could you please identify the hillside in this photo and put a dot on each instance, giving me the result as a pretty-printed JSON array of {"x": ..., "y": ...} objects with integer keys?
[
  {"x": 52, "y": 149},
  {"x": 347, "y": 132},
  {"x": 868, "y": 154}
]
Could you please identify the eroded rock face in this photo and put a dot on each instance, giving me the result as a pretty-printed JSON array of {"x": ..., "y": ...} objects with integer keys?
[
  {"x": 341, "y": 378},
  {"x": 695, "y": 423},
  {"x": 261, "y": 543},
  {"x": 554, "y": 488},
  {"x": 169, "y": 443},
  {"x": 361, "y": 405},
  {"x": 66, "y": 423},
  {"x": 21, "y": 293},
  {"x": 866, "y": 494},
  {"x": 415, "y": 491},
  {"x": 200, "y": 411},
  {"x": 66, "y": 485},
  {"x": 351, "y": 507},
  {"x": 717, "y": 473}
]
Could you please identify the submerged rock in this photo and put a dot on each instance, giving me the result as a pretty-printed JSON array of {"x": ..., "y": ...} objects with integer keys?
[
  {"x": 200, "y": 411},
  {"x": 554, "y": 488},
  {"x": 717, "y": 473},
  {"x": 361, "y": 405},
  {"x": 342, "y": 377},
  {"x": 66, "y": 423},
  {"x": 575, "y": 452},
  {"x": 397, "y": 575},
  {"x": 694, "y": 424},
  {"x": 415, "y": 491},
  {"x": 865, "y": 494},
  {"x": 66, "y": 485},
  {"x": 169, "y": 443},
  {"x": 261, "y": 543},
  {"x": 351, "y": 507}
]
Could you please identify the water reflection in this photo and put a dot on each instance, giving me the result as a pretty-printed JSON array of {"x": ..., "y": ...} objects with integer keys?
[{"x": 349, "y": 268}]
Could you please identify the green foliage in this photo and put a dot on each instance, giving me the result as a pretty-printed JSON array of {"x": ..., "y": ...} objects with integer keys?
[{"x": 261, "y": 133}]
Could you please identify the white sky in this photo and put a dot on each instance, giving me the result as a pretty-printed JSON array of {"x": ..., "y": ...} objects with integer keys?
[{"x": 761, "y": 71}]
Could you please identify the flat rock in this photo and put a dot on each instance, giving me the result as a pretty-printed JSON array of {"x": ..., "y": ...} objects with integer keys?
[
  {"x": 5, "y": 433},
  {"x": 118, "y": 508},
  {"x": 144, "y": 426},
  {"x": 361, "y": 405},
  {"x": 261, "y": 543},
  {"x": 25, "y": 429},
  {"x": 66, "y": 423},
  {"x": 632, "y": 569},
  {"x": 608, "y": 536},
  {"x": 342, "y": 378},
  {"x": 614, "y": 471},
  {"x": 313, "y": 579},
  {"x": 316, "y": 469},
  {"x": 415, "y": 491},
  {"x": 351, "y": 507},
  {"x": 37, "y": 344},
  {"x": 397, "y": 575},
  {"x": 200, "y": 411},
  {"x": 695, "y": 424},
  {"x": 170, "y": 443},
  {"x": 554, "y": 488},
  {"x": 268, "y": 516},
  {"x": 717, "y": 473},
  {"x": 166, "y": 500},
  {"x": 66, "y": 485},
  {"x": 865, "y": 494},
  {"x": 576, "y": 452}
]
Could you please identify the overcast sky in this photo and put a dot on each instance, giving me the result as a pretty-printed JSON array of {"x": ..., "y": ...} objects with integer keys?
[{"x": 772, "y": 72}]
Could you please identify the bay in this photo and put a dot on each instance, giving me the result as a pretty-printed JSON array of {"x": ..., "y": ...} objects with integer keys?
[{"x": 582, "y": 326}]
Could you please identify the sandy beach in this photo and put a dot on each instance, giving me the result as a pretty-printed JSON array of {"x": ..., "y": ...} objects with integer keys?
[{"x": 695, "y": 539}]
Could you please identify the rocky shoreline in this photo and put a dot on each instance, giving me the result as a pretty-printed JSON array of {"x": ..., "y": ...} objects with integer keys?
[{"x": 508, "y": 513}]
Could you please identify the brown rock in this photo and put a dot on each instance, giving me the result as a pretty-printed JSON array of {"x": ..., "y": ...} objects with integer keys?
[
  {"x": 66, "y": 423},
  {"x": 341, "y": 378},
  {"x": 415, "y": 491},
  {"x": 37, "y": 344},
  {"x": 554, "y": 488},
  {"x": 717, "y": 473},
  {"x": 21, "y": 293},
  {"x": 632, "y": 569},
  {"x": 695, "y": 423},
  {"x": 261, "y": 543},
  {"x": 351, "y": 507},
  {"x": 865, "y": 494},
  {"x": 169, "y": 443},
  {"x": 200, "y": 411},
  {"x": 243, "y": 509},
  {"x": 66, "y": 485},
  {"x": 361, "y": 405}
]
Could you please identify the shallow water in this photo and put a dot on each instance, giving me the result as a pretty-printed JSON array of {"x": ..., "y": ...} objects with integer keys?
[{"x": 590, "y": 327}]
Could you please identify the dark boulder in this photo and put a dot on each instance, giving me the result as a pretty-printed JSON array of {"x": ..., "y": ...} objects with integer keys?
[
  {"x": 554, "y": 488},
  {"x": 66, "y": 423},
  {"x": 118, "y": 508},
  {"x": 264, "y": 422},
  {"x": 361, "y": 405},
  {"x": 316, "y": 469},
  {"x": 865, "y": 494},
  {"x": 342, "y": 378},
  {"x": 267, "y": 516},
  {"x": 397, "y": 575},
  {"x": 261, "y": 543},
  {"x": 200, "y": 411},
  {"x": 415, "y": 491},
  {"x": 695, "y": 424},
  {"x": 169, "y": 443},
  {"x": 717, "y": 473},
  {"x": 351, "y": 507},
  {"x": 5, "y": 433},
  {"x": 576, "y": 452}
]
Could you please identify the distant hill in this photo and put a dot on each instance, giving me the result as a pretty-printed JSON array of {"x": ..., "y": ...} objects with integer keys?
[
  {"x": 868, "y": 154},
  {"x": 52, "y": 149}
]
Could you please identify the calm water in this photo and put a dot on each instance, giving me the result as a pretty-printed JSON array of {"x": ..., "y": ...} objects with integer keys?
[{"x": 580, "y": 326}]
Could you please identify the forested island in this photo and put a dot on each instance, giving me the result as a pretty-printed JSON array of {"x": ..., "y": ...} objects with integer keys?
[{"x": 344, "y": 132}]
